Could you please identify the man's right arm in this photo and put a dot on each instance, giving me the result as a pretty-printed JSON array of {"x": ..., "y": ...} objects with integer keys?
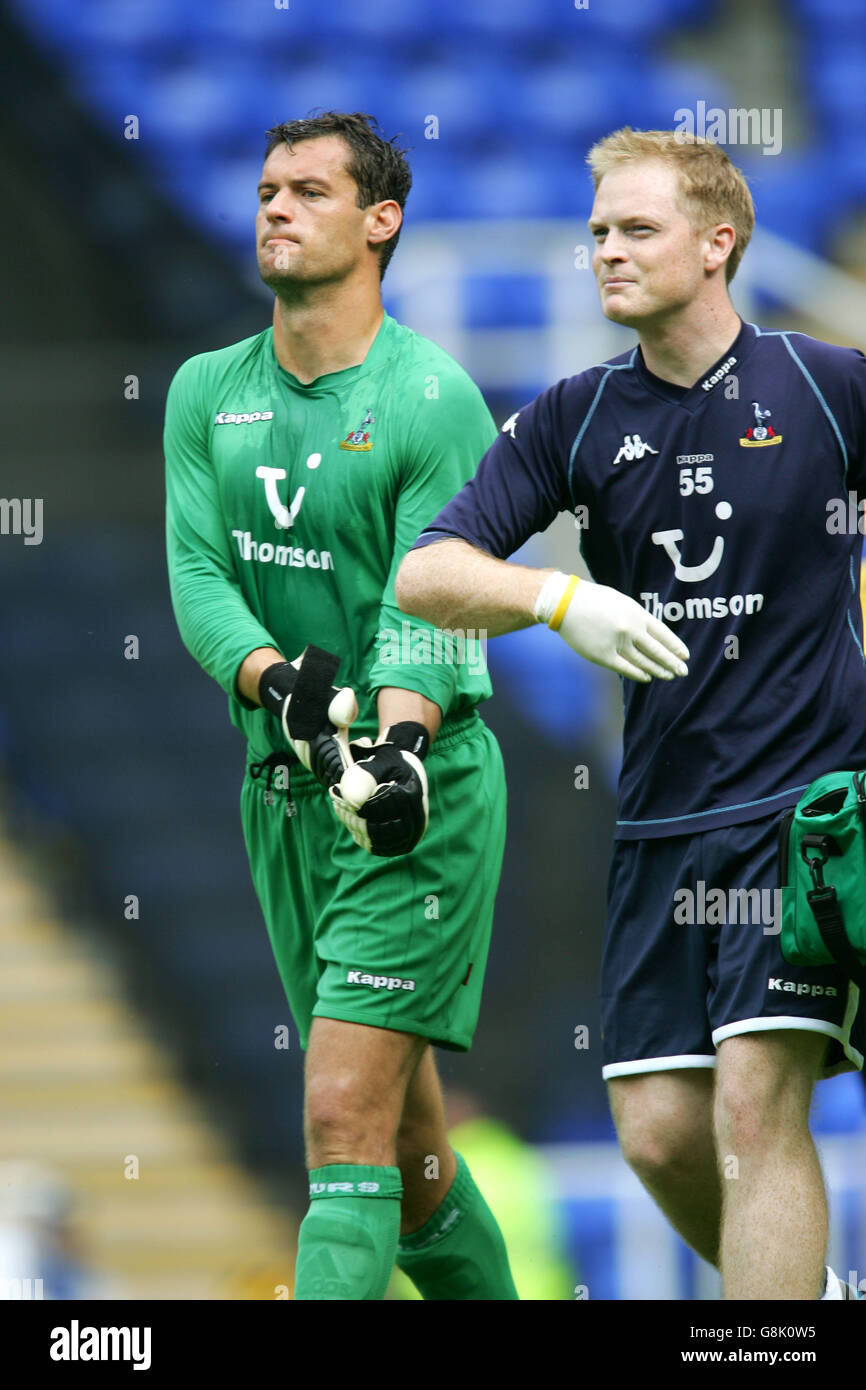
[
  {"x": 213, "y": 617},
  {"x": 454, "y": 585},
  {"x": 252, "y": 669},
  {"x": 215, "y": 621},
  {"x": 456, "y": 576}
]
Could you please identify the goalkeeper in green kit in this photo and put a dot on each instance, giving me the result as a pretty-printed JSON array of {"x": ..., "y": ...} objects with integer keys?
[{"x": 301, "y": 464}]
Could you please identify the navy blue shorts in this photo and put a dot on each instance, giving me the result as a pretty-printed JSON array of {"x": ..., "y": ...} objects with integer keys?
[{"x": 691, "y": 956}]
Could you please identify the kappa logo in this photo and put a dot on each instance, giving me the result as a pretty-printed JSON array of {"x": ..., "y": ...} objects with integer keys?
[
  {"x": 389, "y": 982},
  {"x": 633, "y": 447},
  {"x": 800, "y": 987},
  {"x": 709, "y": 382},
  {"x": 221, "y": 418}
]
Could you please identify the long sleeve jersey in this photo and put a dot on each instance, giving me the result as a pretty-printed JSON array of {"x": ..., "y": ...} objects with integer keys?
[{"x": 289, "y": 508}]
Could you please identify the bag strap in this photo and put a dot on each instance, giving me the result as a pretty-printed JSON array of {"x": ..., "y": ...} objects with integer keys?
[
  {"x": 828, "y": 919},
  {"x": 822, "y": 897}
]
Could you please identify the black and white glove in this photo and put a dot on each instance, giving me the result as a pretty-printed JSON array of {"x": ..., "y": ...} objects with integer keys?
[
  {"x": 382, "y": 796},
  {"x": 315, "y": 715}
]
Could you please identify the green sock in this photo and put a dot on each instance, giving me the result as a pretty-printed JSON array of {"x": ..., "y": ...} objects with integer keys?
[
  {"x": 348, "y": 1238},
  {"x": 460, "y": 1252}
]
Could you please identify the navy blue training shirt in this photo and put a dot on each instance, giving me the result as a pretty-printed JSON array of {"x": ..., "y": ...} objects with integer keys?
[{"x": 729, "y": 510}]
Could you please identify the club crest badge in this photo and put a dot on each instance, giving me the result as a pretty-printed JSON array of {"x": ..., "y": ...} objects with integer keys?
[
  {"x": 359, "y": 440},
  {"x": 759, "y": 435}
]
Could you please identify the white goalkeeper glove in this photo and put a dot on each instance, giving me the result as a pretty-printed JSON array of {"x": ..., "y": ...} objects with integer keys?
[
  {"x": 314, "y": 715},
  {"x": 611, "y": 629}
]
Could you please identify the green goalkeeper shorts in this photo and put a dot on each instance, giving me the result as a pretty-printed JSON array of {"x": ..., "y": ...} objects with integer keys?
[{"x": 394, "y": 943}]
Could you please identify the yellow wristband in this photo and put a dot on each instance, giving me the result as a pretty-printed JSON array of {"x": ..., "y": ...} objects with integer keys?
[{"x": 559, "y": 614}]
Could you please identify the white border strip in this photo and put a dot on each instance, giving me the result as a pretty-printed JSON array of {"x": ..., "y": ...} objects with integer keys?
[
  {"x": 805, "y": 1025},
  {"x": 697, "y": 1059}
]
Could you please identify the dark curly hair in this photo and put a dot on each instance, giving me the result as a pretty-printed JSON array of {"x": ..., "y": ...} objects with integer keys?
[{"x": 377, "y": 165}]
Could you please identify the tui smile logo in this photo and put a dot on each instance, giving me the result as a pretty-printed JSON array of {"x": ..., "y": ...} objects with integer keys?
[{"x": 359, "y": 440}]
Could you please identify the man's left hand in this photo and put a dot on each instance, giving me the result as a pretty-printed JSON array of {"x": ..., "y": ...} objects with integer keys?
[{"x": 382, "y": 797}]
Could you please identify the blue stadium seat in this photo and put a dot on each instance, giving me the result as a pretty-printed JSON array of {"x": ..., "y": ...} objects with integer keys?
[
  {"x": 295, "y": 87},
  {"x": 103, "y": 26},
  {"x": 785, "y": 197},
  {"x": 493, "y": 301},
  {"x": 237, "y": 23},
  {"x": 510, "y": 185},
  {"x": 568, "y": 98},
  {"x": 629, "y": 20},
  {"x": 217, "y": 196},
  {"x": 441, "y": 184},
  {"x": 469, "y": 99},
  {"x": 662, "y": 88},
  {"x": 633, "y": 21},
  {"x": 188, "y": 105},
  {"x": 683, "y": 12},
  {"x": 846, "y": 171},
  {"x": 52, "y": 22},
  {"x": 357, "y": 26},
  {"x": 839, "y": 90},
  {"x": 491, "y": 19},
  {"x": 113, "y": 86},
  {"x": 588, "y": 97},
  {"x": 832, "y": 17}
]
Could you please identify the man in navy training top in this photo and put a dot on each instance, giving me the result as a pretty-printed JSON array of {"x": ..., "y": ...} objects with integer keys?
[{"x": 715, "y": 469}]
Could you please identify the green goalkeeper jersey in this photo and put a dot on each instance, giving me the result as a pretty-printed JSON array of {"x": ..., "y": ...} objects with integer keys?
[{"x": 290, "y": 507}]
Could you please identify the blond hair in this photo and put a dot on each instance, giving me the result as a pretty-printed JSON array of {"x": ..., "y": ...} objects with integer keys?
[{"x": 713, "y": 189}]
